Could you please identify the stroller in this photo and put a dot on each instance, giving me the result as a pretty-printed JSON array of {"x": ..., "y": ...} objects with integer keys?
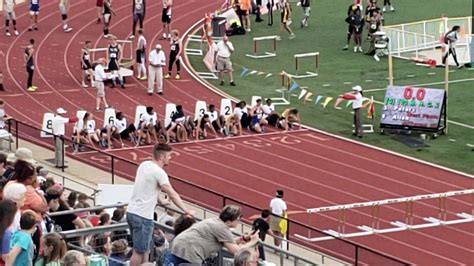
[{"x": 380, "y": 44}]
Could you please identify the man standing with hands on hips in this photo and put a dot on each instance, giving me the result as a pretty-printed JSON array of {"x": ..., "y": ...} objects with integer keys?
[
  {"x": 356, "y": 97},
  {"x": 155, "y": 70},
  {"x": 58, "y": 126},
  {"x": 222, "y": 52}
]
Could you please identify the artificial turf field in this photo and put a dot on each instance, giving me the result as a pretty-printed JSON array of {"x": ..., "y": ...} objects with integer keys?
[{"x": 340, "y": 70}]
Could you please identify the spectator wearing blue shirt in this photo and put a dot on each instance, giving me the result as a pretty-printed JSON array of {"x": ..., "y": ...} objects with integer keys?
[
  {"x": 8, "y": 210},
  {"x": 22, "y": 248}
]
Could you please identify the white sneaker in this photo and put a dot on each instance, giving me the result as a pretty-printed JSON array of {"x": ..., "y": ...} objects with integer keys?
[
  {"x": 67, "y": 29},
  {"x": 355, "y": 49},
  {"x": 360, "y": 49},
  {"x": 84, "y": 85},
  {"x": 16, "y": 33},
  {"x": 392, "y": 8},
  {"x": 8, "y": 33},
  {"x": 131, "y": 37},
  {"x": 376, "y": 58},
  {"x": 384, "y": 9},
  {"x": 248, "y": 30},
  {"x": 292, "y": 36}
]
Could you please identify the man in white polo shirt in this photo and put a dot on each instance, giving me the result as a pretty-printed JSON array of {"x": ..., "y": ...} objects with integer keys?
[
  {"x": 58, "y": 126},
  {"x": 99, "y": 78},
  {"x": 155, "y": 70},
  {"x": 278, "y": 208},
  {"x": 150, "y": 180},
  {"x": 222, "y": 52},
  {"x": 357, "y": 97}
]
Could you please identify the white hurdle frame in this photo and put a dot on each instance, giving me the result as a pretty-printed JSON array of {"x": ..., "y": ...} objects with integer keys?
[
  {"x": 398, "y": 226},
  {"x": 255, "y": 54},
  {"x": 307, "y": 74},
  {"x": 285, "y": 87}
]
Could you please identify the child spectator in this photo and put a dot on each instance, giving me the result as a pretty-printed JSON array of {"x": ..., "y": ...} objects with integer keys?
[
  {"x": 8, "y": 211},
  {"x": 119, "y": 253},
  {"x": 74, "y": 258},
  {"x": 104, "y": 219},
  {"x": 54, "y": 248},
  {"x": 22, "y": 248},
  {"x": 261, "y": 225}
]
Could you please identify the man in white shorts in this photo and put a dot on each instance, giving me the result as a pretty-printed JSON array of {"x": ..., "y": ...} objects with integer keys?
[
  {"x": 64, "y": 8},
  {"x": 9, "y": 14}
]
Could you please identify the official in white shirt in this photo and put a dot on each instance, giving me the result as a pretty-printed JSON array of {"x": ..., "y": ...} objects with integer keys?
[
  {"x": 100, "y": 77},
  {"x": 222, "y": 52},
  {"x": 155, "y": 70},
  {"x": 58, "y": 126},
  {"x": 357, "y": 98},
  {"x": 278, "y": 208}
]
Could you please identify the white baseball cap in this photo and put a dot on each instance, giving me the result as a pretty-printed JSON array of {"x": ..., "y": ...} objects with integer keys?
[
  {"x": 158, "y": 46},
  {"x": 357, "y": 88},
  {"x": 61, "y": 111},
  {"x": 24, "y": 154}
]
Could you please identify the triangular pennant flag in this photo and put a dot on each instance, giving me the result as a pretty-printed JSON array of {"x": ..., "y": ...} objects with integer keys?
[
  {"x": 326, "y": 101},
  {"x": 252, "y": 72},
  {"x": 349, "y": 103},
  {"x": 371, "y": 109},
  {"x": 306, "y": 98},
  {"x": 302, "y": 93},
  {"x": 338, "y": 101},
  {"x": 243, "y": 71},
  {"x": 294, "y": 86},
  {"x": 318, "y": 98},
  {"x": 365, "y": 102},
  {"x": 268, "y": 75},
  {"x": 260, "y": 73}
]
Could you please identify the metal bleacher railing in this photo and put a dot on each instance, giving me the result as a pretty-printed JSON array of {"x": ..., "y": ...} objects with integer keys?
[
  {"x": 222, "y": 258},
  {"x": 342, "y": 249}
]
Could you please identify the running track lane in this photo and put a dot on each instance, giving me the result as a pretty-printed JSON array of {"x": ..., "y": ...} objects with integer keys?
[
  {"x": 72, "y": 97},
  {"x": 261, "y": 169}
]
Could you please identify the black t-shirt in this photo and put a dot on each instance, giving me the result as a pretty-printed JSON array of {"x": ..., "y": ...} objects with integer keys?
[
  {"x": 64, "y": 222},
  {"x": 262, "y": 226}
]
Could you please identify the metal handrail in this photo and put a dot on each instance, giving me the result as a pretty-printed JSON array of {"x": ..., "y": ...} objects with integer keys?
[{"x": 356, "y": 246}]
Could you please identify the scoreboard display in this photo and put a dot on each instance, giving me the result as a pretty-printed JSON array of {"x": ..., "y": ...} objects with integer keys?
[{"x": 410, "y": 107}]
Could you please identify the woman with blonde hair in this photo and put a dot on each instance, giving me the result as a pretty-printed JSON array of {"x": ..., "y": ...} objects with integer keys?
[{"x": 54, "y": 249}]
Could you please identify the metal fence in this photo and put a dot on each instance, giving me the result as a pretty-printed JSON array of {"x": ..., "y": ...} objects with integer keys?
[{"x": 339, "y": 248}]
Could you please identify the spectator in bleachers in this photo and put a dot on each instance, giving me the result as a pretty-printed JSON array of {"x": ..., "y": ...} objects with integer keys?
[
  {"x": 25, "y": 174},
  {"x": 95, "y": 218},
  {"x": 256, "y": 113},
  {"x": 119, "y": 215},
  {"x": 72, "y": 199},
  {"x": 150, "y": 180},
  {"x": 241, "y": 112},
  {"x": 16, "y": 192},
  {"x": 5, "y": 172},
  {"x": 104, "y": 219},
  {"x": 22, "y": 248},
  {"x": 41, "y": 174},
  {"x": 54, "y": 248},
  {"x": 102, "y": 244},
  {"x": 261, "y": 224},
  {"x": 183, "y": 222},
  {"x": 167, "y": 216},
  {"x": 269, "y": 113},
  {"x": 63, "y": 222},
  {"x": 206, "y": 237},
  {"x": 246, "y": 257},
  {"x": 74, "y": 258},
  {"x": 8, "y": 211},
  {"x": 119, "y": 253}
]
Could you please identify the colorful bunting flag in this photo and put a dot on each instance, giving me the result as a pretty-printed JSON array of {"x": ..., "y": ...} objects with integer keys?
[
  {"x": 252, "y": 72},
  {"x": 302, "y": 93},
  {"x": 318, "y": 98},
  {"x": 243, "y": 71},
  {"x": 371, "y": 109},
  {"x": 326, "y": 101},
  {"x": 260, "y": 73},
  {"x": 306, "y": 98},
  {"x": 294, "y": 86},
  {"x": 268, "y": 75},
  {"x": 349, "y": 103},
  {"x": 338, "y": 101}
]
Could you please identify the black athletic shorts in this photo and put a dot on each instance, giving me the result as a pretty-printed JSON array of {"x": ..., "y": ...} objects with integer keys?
[{"x": 165, "y": 18}]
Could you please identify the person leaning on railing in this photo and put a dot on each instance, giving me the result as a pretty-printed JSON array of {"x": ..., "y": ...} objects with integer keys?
[{"x": 209, "y": 236}]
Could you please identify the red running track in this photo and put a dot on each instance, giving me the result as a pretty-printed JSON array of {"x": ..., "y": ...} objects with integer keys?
[{"x": 313, "y": 168}]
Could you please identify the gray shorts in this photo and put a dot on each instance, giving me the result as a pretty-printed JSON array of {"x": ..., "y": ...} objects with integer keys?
[
  {"x": 223, "y": 63},
  {"x": 100, "y": 88},
  {"x": 9, "y": 15},
  {"x": 307, "y": 11}
]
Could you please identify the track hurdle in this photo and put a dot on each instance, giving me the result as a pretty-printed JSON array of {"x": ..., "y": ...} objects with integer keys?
[
  {"x": 285, "y": 87},
  {"x": 306, "y": 74},
  {"x": 256, "y": 55}
]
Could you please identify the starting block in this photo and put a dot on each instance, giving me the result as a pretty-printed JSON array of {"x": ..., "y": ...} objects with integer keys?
[
  {"x": 200, "y": 110},
  {"x": 256, "y": 55},
  {"x": 307, "y": 74}
]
